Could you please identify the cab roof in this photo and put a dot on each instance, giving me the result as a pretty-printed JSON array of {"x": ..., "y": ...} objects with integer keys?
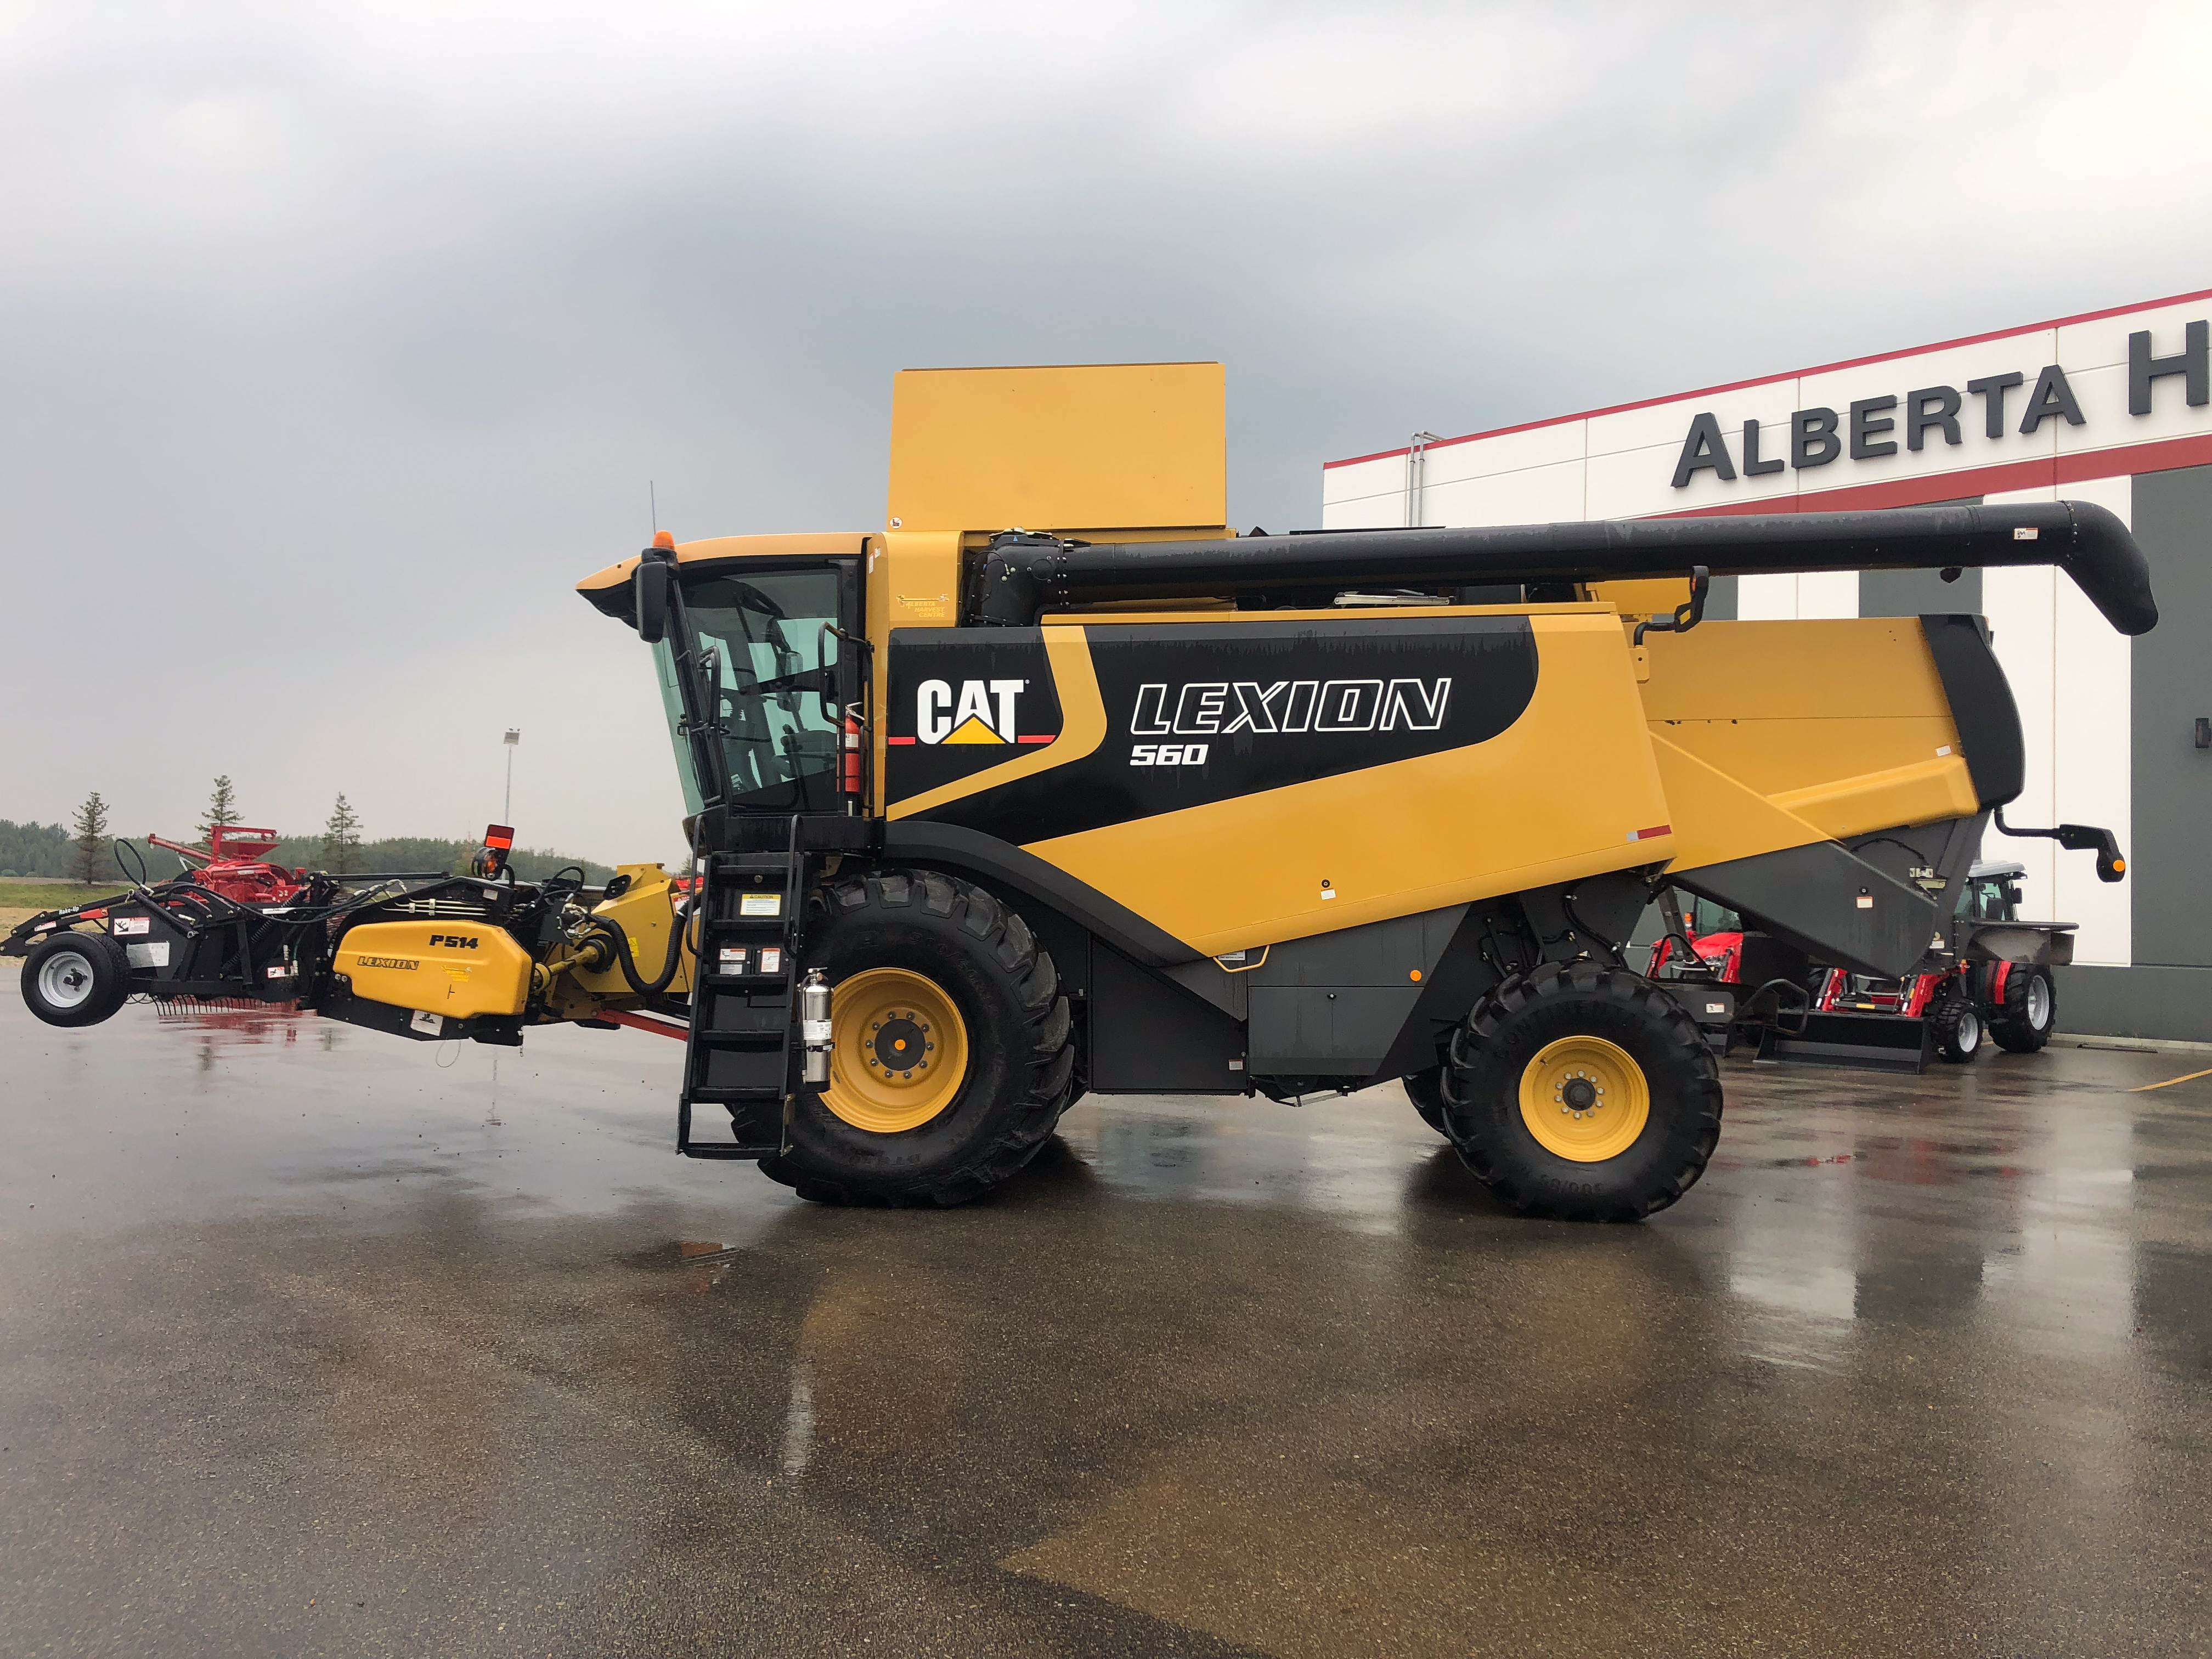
[{"x": 610, "y": 592}]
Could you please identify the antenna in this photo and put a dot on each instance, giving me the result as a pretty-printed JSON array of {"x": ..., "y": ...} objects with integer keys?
[{"x": 653, "y": 501}]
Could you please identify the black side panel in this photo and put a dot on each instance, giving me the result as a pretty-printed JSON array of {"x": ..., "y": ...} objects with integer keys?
[
  {"x": 1001, "y": 864},
  {"x": 1314, "y": 1031},
  {"x": 1243, "y": 706},
  {"x": 1397, "y": 953},
  {"x": 1337, "y": 1004},
  {"x": 1459, "y": 980},
  {"x": 1981, "y": 705},
  {"x": 1811, "y": 897},
  {"x": 1147, "y": 1037}
]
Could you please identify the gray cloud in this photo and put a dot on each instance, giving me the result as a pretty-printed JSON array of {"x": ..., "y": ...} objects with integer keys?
[{"x": 335, "y": 344}]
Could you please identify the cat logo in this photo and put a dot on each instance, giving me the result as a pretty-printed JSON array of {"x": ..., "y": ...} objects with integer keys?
[{"x": 980, "y": 711}]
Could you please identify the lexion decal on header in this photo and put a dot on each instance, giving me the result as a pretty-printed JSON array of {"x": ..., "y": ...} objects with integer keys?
[
  {"x": 1873, "y": 427},
  {"x": 1226, "y": 708},
  {"x": 974, "y": 712}
]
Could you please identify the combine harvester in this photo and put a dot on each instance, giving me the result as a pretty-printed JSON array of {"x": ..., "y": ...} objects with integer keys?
[{"x": 983, "y": 819}]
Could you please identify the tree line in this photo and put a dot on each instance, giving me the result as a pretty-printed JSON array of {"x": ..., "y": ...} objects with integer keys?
[{"x": 84, "y": 849}]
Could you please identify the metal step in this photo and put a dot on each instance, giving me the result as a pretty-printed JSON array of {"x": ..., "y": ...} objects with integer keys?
[{"x": 742, "y": 1055}]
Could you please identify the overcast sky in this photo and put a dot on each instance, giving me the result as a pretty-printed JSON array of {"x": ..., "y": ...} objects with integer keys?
[{"x": 337, "y": 343}]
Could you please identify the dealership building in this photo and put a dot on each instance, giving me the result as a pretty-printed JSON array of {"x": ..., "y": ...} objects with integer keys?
[{"x": 2113, "y": 407}]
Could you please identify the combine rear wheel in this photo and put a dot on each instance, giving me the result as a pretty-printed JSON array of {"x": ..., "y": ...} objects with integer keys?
[
  {"x": 950, "y": 1053},
  {"x": 1426, "y": 1091},
  {"x": 2030, "y": 1009},
  {"x": 1583, "y": 1093},
  {"x": 75, "y": 978}
]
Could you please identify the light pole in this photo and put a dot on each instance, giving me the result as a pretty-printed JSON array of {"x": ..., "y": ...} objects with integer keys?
[{"x": 514, "y": 742}]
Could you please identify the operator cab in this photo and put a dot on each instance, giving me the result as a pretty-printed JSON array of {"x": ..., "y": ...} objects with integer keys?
[
  {"x": 1991, "y": 892},
  {"x": 759, "y": 653}
]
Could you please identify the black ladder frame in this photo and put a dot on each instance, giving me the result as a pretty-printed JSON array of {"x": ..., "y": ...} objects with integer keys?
[{"x": 742, "y": 1052}]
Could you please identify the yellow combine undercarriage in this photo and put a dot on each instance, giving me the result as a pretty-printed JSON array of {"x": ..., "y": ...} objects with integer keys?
[{"x": 985, "y": 819}]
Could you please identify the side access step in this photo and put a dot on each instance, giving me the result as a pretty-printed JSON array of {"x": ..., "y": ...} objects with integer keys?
[{"x": 742, "y": 1055}]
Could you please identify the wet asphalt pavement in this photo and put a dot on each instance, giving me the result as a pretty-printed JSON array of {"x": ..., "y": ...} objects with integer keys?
[{"x": 314, "y": 1341}]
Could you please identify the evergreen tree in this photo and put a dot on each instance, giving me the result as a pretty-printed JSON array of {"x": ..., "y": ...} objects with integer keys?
[
  {"x": 341, "y": 838},
  {"x": 91, "y": 826},
  {"x": 222, "y": 810}
]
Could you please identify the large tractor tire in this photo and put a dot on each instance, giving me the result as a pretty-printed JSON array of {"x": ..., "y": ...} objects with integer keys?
[
  {"x": 1957, "y": 1025},
  {"x": 1583, "y": 1093},
  {"x": 1426, "y": 1091},
  {"x": 2030, "y": 1010},
  {"x": 75, "y": 978},
  {"x": 951, "y": 1054}
]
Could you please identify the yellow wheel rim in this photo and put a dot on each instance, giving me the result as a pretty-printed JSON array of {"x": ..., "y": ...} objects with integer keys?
[
  {"x": 898, "y": 1050},
  {"x": 1584, "y": 1099}
]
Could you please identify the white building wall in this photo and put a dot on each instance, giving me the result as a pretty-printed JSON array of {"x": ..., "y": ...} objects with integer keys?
[{"x": 2069, "y": 670}]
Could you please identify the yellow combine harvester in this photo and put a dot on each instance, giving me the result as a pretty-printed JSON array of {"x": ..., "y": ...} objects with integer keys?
[{"x": 985, "y": 819}]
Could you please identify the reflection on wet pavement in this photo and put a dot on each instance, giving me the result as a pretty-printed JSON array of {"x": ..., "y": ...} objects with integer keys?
[{"x": 347, "y": 1343}]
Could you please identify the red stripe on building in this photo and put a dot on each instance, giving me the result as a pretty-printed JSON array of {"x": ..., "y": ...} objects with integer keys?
[
  {"x": 1046, "y": 737},
  {"x": 2043, "y": 472},
  {"x": 898, "y": 740},
  {"x": 1794, "y": 374}
]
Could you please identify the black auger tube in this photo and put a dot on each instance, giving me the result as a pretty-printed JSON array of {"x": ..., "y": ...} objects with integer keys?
[{"x": 1026, "y": 574}]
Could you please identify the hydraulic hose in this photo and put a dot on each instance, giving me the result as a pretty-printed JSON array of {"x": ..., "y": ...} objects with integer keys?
[{"x": 620, "y": 939}]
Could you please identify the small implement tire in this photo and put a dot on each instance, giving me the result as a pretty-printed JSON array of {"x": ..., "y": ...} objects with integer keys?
[
  {"x": 75, "y": 978},
  {"x": 1957, "y": 1025},
  {"x": 925, "y": 968},
  {"x": 1624, "y": 1071},
  {"x": 2030, "y": 1010},
  {"x": 1426, "y": 1091}
]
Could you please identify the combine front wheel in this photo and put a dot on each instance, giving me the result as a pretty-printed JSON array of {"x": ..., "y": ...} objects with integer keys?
[
  {"x": 950, "y": 1052},
  {"x": 1582, "y": 1093}
]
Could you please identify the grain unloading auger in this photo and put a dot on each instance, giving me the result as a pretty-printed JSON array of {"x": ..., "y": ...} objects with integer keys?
[{"x": 985, "y": 819}]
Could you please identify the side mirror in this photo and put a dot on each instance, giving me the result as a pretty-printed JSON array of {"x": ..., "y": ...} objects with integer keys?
[
  {"x": 651, "y": 591},
  {"x": 2088, "y": 838}
]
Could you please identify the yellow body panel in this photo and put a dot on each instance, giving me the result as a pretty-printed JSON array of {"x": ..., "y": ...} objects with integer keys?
[
  {"x": 1920, "y": 792},
  {"x": 1716, "y": 818},
  {"x": 1059, "y": 449},
  {"x": 457, "y": 969},
  {"x": 1560, "y": 794},
  {"x": 1661, "y": 596},
  {"x": 1801, "y": 731},
  {"x": 647, "y": 914},
  {"x": 1785, "y": 705}
]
